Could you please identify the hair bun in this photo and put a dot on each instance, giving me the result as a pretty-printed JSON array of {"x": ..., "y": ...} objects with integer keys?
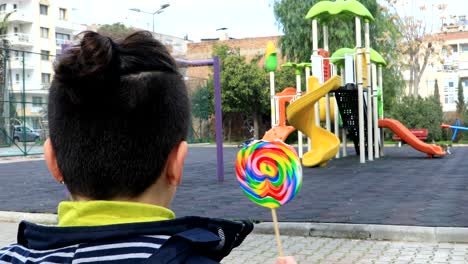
[
  {"x": 96, "y": 55},
  {"x": 87, "y": 64}
]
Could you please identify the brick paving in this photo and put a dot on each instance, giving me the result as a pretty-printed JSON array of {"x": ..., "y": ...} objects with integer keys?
[
  {"x": 260, "y": 249},
  {"x": 404, "y": 188}
]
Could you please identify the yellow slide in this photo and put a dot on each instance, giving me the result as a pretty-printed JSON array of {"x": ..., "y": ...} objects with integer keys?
[{"x": 301, "y": 115}]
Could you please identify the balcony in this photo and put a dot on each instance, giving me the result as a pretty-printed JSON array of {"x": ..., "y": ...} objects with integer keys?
[
  {"x": 18, "y": 16},
  {"x": 19, "y": 40},
  {"x": 64, "y": 25},
  {"x": 30, "y": 87},
  {"x": 17, "y": 63}
]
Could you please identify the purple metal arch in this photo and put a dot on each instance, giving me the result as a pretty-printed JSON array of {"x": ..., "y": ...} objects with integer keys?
[{"x": 218, "y": 112}]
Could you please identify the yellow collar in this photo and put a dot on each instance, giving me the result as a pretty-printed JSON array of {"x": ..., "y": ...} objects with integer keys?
[{"x": 97, "y": 213}]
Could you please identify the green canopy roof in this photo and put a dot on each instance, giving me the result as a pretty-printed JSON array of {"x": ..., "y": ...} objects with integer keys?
[
  {"x": 325, "y": 10},
  {"x": 298, "y": 67},
  {"x": 337, "y": 57}
]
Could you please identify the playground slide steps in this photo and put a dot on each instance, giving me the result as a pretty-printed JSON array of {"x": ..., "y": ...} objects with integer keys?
[{"x": 324, "y": 143}]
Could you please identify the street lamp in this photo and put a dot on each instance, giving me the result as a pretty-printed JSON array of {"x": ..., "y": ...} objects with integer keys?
[{"x": 159, "y": 11}]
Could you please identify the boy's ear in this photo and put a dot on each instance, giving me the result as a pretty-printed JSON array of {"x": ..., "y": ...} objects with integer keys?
[
  {"x": 51, "y": 161},
  {"x": 175, "y": 163}
]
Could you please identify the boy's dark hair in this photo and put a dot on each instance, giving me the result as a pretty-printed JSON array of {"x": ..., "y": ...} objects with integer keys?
[{"x": 116, "y": 110}]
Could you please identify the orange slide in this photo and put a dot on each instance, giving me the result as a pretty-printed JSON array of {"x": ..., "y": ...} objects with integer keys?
[{"x": 412, "y": 140}]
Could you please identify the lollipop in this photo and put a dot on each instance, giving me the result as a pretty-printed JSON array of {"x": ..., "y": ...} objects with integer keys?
[{"x": 269, "y": 173}]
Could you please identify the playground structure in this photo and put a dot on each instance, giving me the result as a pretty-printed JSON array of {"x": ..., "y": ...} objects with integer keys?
[
  {"x": 455, "y": 128},
  {"x": 358, "y": 94}
]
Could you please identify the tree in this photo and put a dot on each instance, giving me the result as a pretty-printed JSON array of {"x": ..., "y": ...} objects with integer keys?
[
  {"x": 417, "y": 112},
  {"x": 461, "y": 104},
  {"x": 116, "y": 30},
  {"x": 296, "y": 44},
  {"x": 436, "y": 92},
  {"x": 244, "y": 85},
  {"x": 284, "y": 78},
  {"x": 417, "y": 45},
  {"x": 201, "y": 108}
]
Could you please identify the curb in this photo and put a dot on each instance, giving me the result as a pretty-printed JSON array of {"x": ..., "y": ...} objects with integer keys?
[
  {"x": 20, "y": 159},
  {"x": 16, "y": 217},
  {"x": 330, "y": 230},
  {"x": 370, "y": 232}
]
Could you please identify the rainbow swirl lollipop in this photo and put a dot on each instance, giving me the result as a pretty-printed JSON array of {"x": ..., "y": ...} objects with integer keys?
[{"x": 269, "y": 173}]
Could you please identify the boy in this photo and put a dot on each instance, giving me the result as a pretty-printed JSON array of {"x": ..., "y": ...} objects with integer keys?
[{"x": 118, "y": 117}]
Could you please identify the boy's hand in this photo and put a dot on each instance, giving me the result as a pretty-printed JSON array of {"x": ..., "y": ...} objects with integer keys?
[{"x": 286, "y": 260}]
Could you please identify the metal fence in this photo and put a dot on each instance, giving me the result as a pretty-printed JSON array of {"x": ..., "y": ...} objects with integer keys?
[
  {"x": 25, "y": 79},
  {"x": 24, "y": 83}
]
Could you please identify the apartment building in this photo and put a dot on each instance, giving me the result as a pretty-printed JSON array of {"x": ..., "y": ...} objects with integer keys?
[
  {"x": 37, "y": 29},
  {"x": 450, "y": 66}
]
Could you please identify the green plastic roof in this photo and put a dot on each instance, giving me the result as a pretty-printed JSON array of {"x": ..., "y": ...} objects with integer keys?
[
  {"x": 325, "y": 10},
  {"x": 337, "y": 57},
  {"x": 376, "y": 58},
  {"x": 298, "y": 67}
]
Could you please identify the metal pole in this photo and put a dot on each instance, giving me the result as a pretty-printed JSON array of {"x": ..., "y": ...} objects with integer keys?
[
  {"x": 376, "y": 112},
  {"x": 23, "y": 97},
  {"x": 336, "y": 113},
  {"x": 362, "y": 156},
  {"x": 218, "y": 118},
  {"x": 315, "y": 53},
  {"x": 382, "y": 138},
  {"x": 307, "y": 76},
  {"x": 299, "y": 133},
  {"x": 370, "y": 154},
  {"x": 327, "y": 96},
  {"x": 272, "y": 99},
  {"x": 344, "y": 138}
]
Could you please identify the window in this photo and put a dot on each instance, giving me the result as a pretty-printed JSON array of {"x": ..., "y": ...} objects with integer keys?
[
  {"x": 44, "y": 32},
  {"x": 464, "y": 47},
  {"x": 45, "y": 78},
  {"x": 45, "y": 55},
  {"x": 44, "y": 9},
  {"x": 2, "y": 8},
  {"x": 62, "y": 14},
  {"x": 17, "y": 78},
  {"x": 36, "y": 101},
  {"x": 61, "y": 38},
  {"x": 15, "y": 6},
  {"x": 449, "y": 99},
  {"x": 454, "y": 48}
]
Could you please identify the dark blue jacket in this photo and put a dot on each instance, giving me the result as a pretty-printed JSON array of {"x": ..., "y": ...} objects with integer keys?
[{"x": 184, "y": 240}]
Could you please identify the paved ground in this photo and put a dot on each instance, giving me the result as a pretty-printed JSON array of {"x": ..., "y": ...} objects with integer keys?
[
  {"x": 261, "y": 249},
  {"x": 404, "y": 188}
]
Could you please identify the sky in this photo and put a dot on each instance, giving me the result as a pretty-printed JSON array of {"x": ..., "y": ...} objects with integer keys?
[
  {"x": 195, "y": 18},
  {"x": 200, "y": 18}
]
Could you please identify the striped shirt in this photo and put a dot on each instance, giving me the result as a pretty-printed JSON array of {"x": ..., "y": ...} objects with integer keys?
[
  {"x": 128, "y": 250},
  {"x": 197, "y": 239}
]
